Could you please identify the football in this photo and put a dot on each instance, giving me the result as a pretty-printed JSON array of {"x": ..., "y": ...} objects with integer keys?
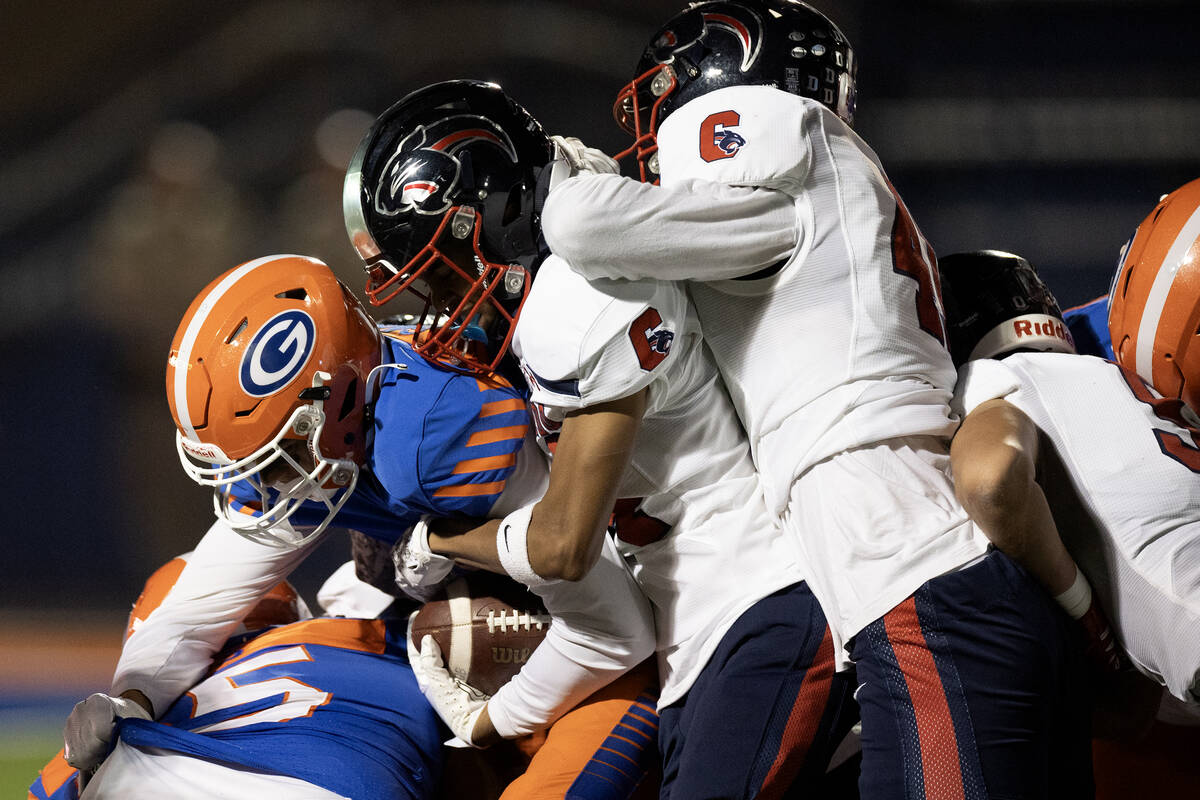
[{"x": 486, "y": 625}]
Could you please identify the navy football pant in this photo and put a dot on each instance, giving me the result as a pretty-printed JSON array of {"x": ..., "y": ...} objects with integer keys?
[
  {"x": 973, "y": 688},
  {"x": 765, "y": 713}
]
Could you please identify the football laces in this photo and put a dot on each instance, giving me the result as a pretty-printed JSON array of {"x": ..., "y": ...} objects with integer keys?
[{"x": 518, "y": 620}]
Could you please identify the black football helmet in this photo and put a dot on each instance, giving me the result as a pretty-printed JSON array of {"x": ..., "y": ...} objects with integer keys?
[
  {"x": 439, "y": 201},
  {"x": 710, "y": 45},
  {"x": 996, "y": 304}
]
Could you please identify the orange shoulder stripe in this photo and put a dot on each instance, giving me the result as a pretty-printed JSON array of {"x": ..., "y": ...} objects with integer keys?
[
  {"x": 482, "y": 464},
  {"x": 496, "y": 435},
  {"x": 501, "y": 407},
  {"x": 470, "y": 489}
]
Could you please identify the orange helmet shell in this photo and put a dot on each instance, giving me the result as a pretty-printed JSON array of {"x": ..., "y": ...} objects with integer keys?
[
  {"x": 1154, "y": 303},
  {"x": 250, "y": 344}
]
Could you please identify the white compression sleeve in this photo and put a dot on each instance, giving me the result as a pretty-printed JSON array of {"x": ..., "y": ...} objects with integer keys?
[
  {"x": 224, "y": 578},
  {"x": 607, "y": 226},
  {"x": 602, "y": 627}
]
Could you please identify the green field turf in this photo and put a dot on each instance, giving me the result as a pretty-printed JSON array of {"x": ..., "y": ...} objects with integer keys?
[{"x": 22, "y": 754}]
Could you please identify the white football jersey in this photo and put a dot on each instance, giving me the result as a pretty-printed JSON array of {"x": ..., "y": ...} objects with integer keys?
[
  {"x": 837, "y": 347},
  {"x": 693, "y": 524},
  {"x": 843, "y": 346},
  {"x": 1122, "y": 477}
]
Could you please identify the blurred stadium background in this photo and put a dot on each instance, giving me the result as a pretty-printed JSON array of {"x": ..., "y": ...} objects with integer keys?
[{"x": 147, "y": 147}]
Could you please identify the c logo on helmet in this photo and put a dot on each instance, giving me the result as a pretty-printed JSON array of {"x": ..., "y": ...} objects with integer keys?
[
  {"x": 425, "y": 169},
  {"x": 717, "y": 140},
  {"x": 277, "y": 353}
]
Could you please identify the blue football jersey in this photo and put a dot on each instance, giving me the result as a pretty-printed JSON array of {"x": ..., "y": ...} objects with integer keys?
[
  {"x": 444, "y": 443},
  {"x": 1089, "y": 328},
  {"x": 329, "y": 701}
]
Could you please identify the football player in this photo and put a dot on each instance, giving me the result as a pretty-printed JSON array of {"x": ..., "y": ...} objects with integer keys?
[
  {"x": 1029, "y": 464},
  {"x": 632, "y": 407},
  {"x": 819, "y": 299},
  {"x": 295, "y": 707},
  {"x": 301, "y": 413},
  {"x": 995, "y": 305},
  {"x": 1154, "y": 302}
]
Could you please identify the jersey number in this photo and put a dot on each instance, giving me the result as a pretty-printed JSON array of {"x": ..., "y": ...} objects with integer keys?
[
  {"x": 911, "y": 256},
  {"x": 1171, "y": 444},
  {"x": 244, "y": 702},
  {"x": 651, "y": 341}
]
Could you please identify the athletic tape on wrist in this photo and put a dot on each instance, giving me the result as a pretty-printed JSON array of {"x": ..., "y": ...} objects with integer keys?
[
  {"x": 511, "y": 547},
  {"x": 1077, "y": 599}
]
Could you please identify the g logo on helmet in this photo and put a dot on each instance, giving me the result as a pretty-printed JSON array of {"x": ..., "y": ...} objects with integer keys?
[
  {"x": 717, "y": 140},
  {"x": 277, "y": 353}
]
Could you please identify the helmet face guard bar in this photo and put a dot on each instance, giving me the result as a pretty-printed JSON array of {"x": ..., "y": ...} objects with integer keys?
[
  {"x": 329, "y": 482},
  {"x": 456, "y": 340},
  {"x": 657, "y": 83}
]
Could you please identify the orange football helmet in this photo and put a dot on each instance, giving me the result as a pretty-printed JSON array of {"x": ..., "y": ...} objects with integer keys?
[
  {"x": 1154, "y": 302},
  {"x": 269, "y": 371}
]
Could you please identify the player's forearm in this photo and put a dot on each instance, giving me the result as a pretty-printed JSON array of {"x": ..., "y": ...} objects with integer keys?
[
  {"x": 606, "y": 226},
  {"x": 993, "y": 457},
  {"x": 542, "y": 545},
  {"x": 471, "y": 543},
  {"x": 1029, "y": 536}
]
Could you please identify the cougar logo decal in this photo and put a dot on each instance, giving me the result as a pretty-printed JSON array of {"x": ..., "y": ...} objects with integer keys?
[
  {"x": 651, "y": 341},
  {"x": 423, "y": 173},
  {"x": 717, "y": 139}
]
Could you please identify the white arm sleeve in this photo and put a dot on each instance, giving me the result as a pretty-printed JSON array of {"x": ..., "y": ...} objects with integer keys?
[
  {"x": 607, "y": 226},
  {"x": 225, "y": 576},
  {"x": 602, "y": 628}
]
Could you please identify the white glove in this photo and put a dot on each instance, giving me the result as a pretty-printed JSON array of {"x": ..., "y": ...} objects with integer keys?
[
  {"x": 87, "y": 736},
  {"x": 581, "y": 157},
  {"x": 419, "y": 572},
  {"x": 458, "y": 704}
]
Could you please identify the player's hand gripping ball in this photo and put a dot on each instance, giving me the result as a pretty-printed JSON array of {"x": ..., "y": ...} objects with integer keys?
[{"x": 486, "y": 627}]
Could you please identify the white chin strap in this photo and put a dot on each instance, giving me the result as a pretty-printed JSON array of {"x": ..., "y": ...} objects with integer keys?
[{"x": 1026, "y": 332}]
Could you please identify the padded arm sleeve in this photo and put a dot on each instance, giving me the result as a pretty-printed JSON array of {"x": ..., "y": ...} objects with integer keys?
[
  {"x": 602, "y": 628},
  {"x": 225, "y": 577},
  {"x": 607, "y": 226}
]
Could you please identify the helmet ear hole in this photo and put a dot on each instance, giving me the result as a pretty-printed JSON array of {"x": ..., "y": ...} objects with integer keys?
[
  {"x": 293, "y": 294},
  {"x": 237, "y": 331},
  {"x": 512, "y": 208},
  {"x": 349, "y": 400}
]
